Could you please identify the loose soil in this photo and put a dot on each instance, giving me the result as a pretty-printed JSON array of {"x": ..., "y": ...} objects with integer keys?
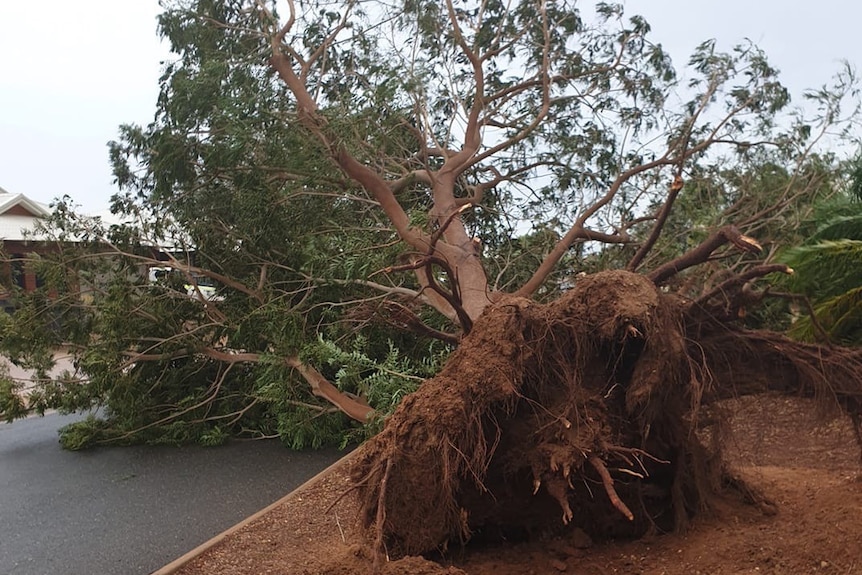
[
  {"x": 807, "y": 463},
  {"x": 595, "y": 411}
]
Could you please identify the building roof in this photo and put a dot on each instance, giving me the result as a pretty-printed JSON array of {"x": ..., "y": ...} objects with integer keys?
[
  {"x": 19, "y": 218},
  {"x": 19, "y": 215}
]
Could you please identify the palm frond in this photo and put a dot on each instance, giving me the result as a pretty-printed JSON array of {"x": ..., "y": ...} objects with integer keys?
[
  {"x": 825, "y": 269},
  {"x": 840, "y": 227},
  {"x": 840, "y": 316}
]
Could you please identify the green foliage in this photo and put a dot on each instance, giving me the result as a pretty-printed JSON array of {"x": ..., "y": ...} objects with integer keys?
[
  {"x": 840, "y": 316},
  {"x": 227, "y": 188},
  {"x": 12, "y": 404},
  {"x": 828, "y": 273},
  {"x": 828, "y": 269},
  {"x": 384, "y": 380},
  {"x": 838, "y": 227},
  {"x": 82, "y": 434},
  {"x": 230, "y": 189},
  {"x": 513, "y": 262},
  {"x": 856, "y": 178}
]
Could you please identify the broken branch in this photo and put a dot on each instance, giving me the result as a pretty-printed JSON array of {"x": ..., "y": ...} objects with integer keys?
[{"x": 701, "y": 253}]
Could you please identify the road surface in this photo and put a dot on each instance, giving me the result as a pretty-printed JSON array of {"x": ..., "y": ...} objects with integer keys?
[{"x": 128, "y": 510}]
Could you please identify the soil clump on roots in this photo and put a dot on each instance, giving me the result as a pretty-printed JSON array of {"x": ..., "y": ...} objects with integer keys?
[{"x": 589, "y": 414}]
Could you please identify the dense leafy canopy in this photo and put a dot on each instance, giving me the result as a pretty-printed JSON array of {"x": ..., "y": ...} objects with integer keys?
[{"x": 339, "y": 193}]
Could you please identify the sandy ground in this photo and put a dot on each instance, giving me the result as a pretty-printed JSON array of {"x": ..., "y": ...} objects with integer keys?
[{"x": 807, "y": 464}]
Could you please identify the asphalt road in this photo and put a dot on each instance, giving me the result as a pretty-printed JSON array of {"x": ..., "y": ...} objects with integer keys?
[{"x": 129, "y": 510}]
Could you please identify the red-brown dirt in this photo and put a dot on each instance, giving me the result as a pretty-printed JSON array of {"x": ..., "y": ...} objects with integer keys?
[
  {"x": 595, "y": 411},
  {"x": 806, "y": 463}
]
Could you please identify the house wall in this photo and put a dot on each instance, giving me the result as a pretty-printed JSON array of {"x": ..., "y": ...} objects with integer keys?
[
  {"x": 18, "y": 211},
  {"x": 15, "y": 271}
]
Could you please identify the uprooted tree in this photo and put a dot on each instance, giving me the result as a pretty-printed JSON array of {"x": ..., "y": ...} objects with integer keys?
[{"x": 460, "y": 171}]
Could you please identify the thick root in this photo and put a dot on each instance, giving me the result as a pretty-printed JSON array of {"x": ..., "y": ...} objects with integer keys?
[{"x": 580, "y": 413}]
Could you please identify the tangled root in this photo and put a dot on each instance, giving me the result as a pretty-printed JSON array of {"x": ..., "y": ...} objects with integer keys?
[{"x": 583, "y": 412}]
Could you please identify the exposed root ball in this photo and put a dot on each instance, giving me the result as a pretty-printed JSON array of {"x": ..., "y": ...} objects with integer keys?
[{"x": 581, "y": 412}]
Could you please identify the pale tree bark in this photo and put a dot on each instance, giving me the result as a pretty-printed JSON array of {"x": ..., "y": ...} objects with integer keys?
[
  {"x": 446, "y": 249},
  {"x": 455, "y": 247},
  {"x": 354, "y": 407}
]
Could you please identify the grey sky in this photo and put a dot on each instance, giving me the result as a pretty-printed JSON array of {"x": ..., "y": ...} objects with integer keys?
[
  {"x": 72, "y": 71},
  {"x": 806, "y": 40}
]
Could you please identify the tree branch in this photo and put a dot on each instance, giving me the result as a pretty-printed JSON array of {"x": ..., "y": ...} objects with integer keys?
[
  {"x": 472, "y": 132},
  {"x": 307, "y": 107},
  {"x": 733, "y": 284},
  {"x": 404, "y": 318},
  {"x": 661, "y": 218},
  {"x": 699, "y": 254},
  {"x": 321, "y": 387},
  {"x": 452, "y": 298}
]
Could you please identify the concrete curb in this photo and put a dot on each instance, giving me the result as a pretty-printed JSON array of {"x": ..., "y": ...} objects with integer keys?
[{"x": 181, "y": 562}]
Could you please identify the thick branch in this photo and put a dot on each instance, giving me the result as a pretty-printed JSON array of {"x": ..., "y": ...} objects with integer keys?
[
  {"x": 677, "y": 153},
  {"x": 402, "y": 183},
  {"x": 381, "y": 191},
  {"x": 558, "y": 251},
  {"x": 321, "y": 387},
  {"x": 659, "y": 225},
  {"x": 698, "y": 255},
  {"x": 579, "y": 231},
  {"x": 373, "y": 183},
  {"x": 678, "y": 183}
]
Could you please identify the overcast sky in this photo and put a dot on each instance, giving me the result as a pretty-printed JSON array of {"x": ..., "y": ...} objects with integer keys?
[{"x": 72, "y": 71}]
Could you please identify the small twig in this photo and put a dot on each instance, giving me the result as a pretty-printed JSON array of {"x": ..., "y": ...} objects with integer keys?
[
  {"x": 340, "y": 530},
  {"x": 608, "y": 483}
]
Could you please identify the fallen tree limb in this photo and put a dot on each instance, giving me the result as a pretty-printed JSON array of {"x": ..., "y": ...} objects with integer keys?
[
  {"x": 699, "y": 254},
  {"x": 321, "y": 387}
]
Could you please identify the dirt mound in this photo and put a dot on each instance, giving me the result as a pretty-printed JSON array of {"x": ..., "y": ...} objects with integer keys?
[
  {"x": 808, "y": 465},
  {"x": 575, "y": 435},
  {"x": 586, "y": 413}
]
